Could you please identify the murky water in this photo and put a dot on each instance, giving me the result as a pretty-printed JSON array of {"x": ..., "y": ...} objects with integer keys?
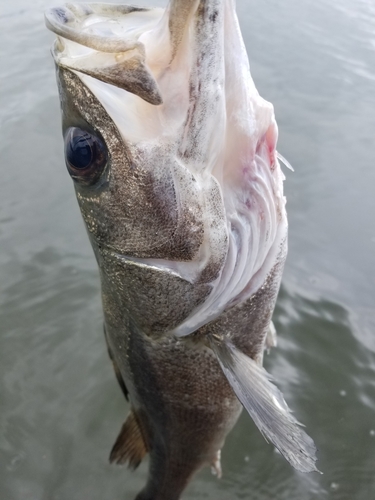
[{"x": 61, "y": 408}]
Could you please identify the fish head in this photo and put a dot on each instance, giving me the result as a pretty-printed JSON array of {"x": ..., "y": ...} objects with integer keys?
[{"x": 173, "y": 156}]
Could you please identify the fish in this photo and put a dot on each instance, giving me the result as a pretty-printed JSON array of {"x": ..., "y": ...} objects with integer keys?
[{"x": 172, "y": 153}]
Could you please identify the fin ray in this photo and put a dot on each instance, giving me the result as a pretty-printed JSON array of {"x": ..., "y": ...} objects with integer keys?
[
  {"x": 130, "y": 445},
  {"x": 266, "y": 405}
]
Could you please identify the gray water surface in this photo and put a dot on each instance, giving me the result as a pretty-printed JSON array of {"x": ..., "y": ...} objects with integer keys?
[{"x": 61, "y": 408}]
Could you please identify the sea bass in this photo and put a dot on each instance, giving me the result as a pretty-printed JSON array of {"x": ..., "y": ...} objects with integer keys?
[{"x": 173, "y": 156}]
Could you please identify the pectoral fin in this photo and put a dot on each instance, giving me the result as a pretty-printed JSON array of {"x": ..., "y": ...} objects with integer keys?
[
  {"x": 130, "y": 445},
  {"x": 266, "y": 405}
]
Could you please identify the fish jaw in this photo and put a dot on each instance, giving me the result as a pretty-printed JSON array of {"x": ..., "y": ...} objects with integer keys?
[{"x": 116, "y": 60}]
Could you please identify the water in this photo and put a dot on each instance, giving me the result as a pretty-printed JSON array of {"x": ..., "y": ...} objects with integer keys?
[{"x": 61, "y": 408}]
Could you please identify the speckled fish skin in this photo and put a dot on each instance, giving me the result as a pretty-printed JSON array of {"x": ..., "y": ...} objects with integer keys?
[{"x": 188, "y": 225}]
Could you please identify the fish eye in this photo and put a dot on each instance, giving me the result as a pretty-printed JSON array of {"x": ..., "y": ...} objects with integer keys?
[{"x": 85, "y": 155}]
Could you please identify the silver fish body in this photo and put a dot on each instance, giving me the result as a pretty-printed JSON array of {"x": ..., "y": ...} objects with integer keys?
[{"x": 173, "y": 156}]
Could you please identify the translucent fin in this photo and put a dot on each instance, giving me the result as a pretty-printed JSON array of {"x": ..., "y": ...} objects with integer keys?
[
  {"x": 266, "y": 405},
  {"x": 285, "y": 161},
  {"x": 130, "y": 445}
]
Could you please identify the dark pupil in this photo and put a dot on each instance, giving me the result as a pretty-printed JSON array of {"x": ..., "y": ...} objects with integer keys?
[{"x": 79, "y": 151}]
